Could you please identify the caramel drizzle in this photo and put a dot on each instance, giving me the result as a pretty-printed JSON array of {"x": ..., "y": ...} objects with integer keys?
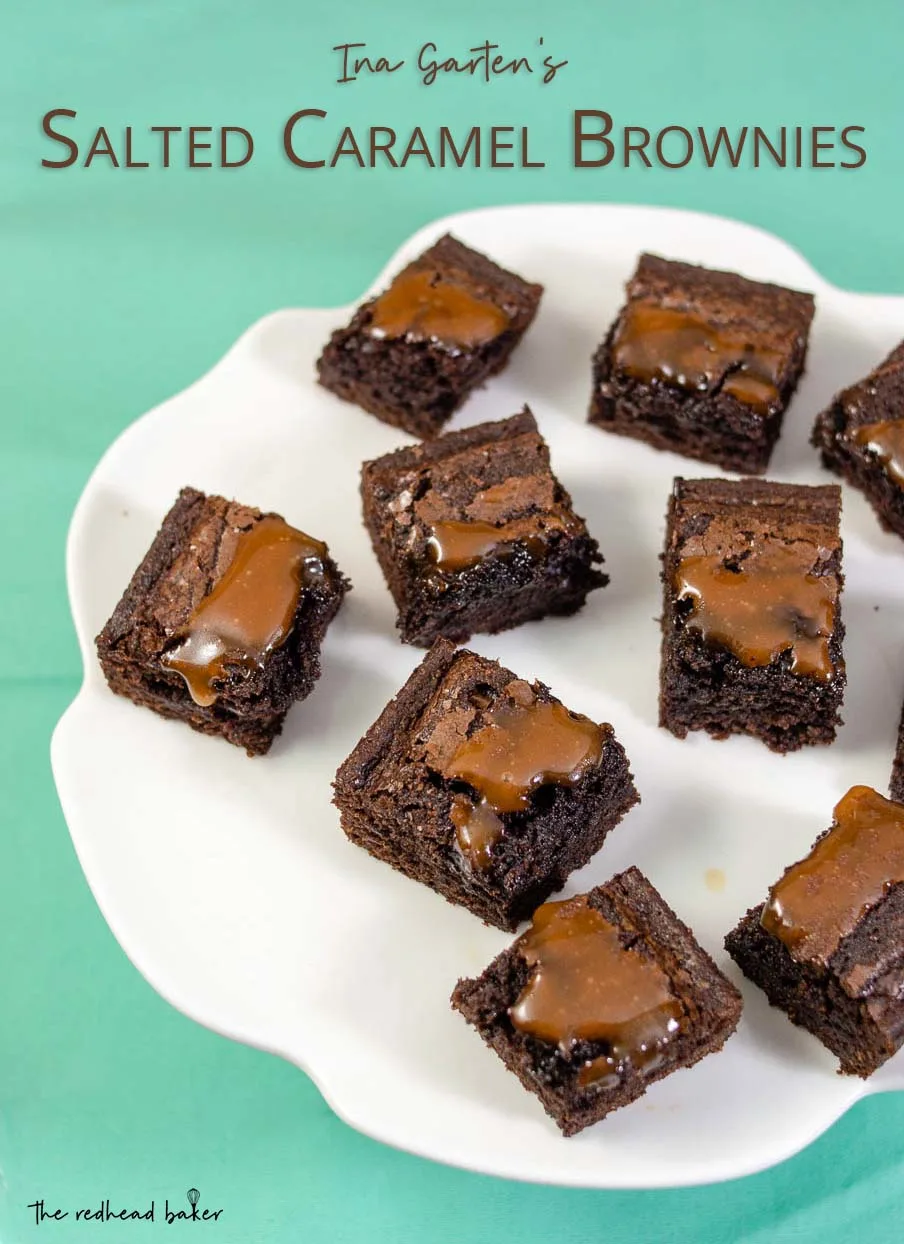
[
  {"x": 820, "y": 900},
  {"x": 886, "y": 440},
  {"x": 520, "y": 748},
  {"x": 478, "y": 829},
  {"x": 771, "y": 604},
  {"x": 455, "y": 545},
  {"x": 251, "y": 609},
  {"x": 653, "y": 343},
  {"x": 422, "y": 305},
  {"x": 586, "y": 985}
]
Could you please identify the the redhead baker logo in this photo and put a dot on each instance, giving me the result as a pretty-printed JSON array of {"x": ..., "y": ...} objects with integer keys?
[{"x": 108, "y": 1211}]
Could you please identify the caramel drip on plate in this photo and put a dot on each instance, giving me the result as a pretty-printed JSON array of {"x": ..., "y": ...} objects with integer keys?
[
  {"x": 422, "y": 306},
  {"x": 771, "y": 604},
  {"x": 520, "y": 748},
  {"x": 250, "y": 610},
  {"x": 820, "y": 900},
  {"x": 886, "y": 441},
  {"x": 660, "y": 344},
  {"x": 585, "y": 985}
]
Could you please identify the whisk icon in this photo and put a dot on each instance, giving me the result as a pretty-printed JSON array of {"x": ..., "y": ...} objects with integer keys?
[{"x": 192, "y": 1196}]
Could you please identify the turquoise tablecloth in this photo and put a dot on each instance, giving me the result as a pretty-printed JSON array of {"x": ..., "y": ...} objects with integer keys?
[{"x": 119, "y": 287}]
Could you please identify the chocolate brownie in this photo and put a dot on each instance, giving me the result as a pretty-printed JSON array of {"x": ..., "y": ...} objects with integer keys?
[
  {"x": 827, "y": 946},
  {"x": 751, "y": 621},
  {"x": 483, "y": 786},
  {"x": 603, "y": 995},
  {"x": 474, "y": 532},
  {"x": 222, "y": 623},
  {"x": 702, "y": 362},
  {"x": 448, "y": 322},
  {"x": 861, "y": 438}
]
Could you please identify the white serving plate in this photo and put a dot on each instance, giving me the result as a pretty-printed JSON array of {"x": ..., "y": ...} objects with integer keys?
[{"x": 228, "y": 881}]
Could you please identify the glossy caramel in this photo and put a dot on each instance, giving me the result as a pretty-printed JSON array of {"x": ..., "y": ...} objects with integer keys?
[
  {"x": 455, "y": 545},
  {"x": 586, "y": 985},
  {"x": 250, "y": 610},
  {"x": 886, "y": 440},
  {"x": 477, "y": 830},
  {"x": 522, "y": 747},
  {"x": 770, "y": 604},
  {"x": 422, "y": 305},
  {"x": 654, "y": 343},
  {"x": 519, "y": 748},
  {"x": 820, "y": 900}
]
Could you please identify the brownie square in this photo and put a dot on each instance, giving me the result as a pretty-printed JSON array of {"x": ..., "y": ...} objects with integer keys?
[
  {"x": 483, "y": 786},
  {"x": 474, "y": 532},
  {"x": 603, "y": 995},
  {"x": 751, "y": 620},
  {"x": 827, "y": 946},
  {"x": 222, "y": 623},
  {"x": 448, "y": 322},
  {"x": 861, "y": 438},
  {"x": 702, "y": 362}
]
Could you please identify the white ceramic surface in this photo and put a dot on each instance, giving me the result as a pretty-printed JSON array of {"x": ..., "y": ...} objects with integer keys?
[{"x": 228, "y": 881}]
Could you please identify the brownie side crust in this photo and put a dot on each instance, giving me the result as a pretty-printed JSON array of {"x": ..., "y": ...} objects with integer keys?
[
  {"x": 417, "y": 385},
  {"x": 190, "y": 552},
  {"x": 707, "y": 688},
  {"x": 876, "y": 398},
  {"x": 710, "y": 1003},
  {"x": 896, "y": 787},
  {"x": 448, "y": 476},
  {"x": 396, "y": 803},
  {"x": 705, "y": 423}
]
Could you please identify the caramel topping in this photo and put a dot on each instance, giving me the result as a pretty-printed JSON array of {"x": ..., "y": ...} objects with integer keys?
[
  {"x": 521, "y": 747},
  {"x": 250, "y": 610},
  {"x": 752, "y": 390},
  {"x": 460, "y": 545},
  {"x": 886, "y": 441},
  {"x": 477, "y": 830},
  {"x": 769, "y": 605},
  {"x": 422, "y": 306},
  {"x": 820, "y": 901},
  {"x": 658, "y": 343},
  {"x": 587, "y": 986}
]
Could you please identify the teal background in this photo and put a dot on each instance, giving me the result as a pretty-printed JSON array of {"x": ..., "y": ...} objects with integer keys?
[{"x": 119, "y": 288}]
